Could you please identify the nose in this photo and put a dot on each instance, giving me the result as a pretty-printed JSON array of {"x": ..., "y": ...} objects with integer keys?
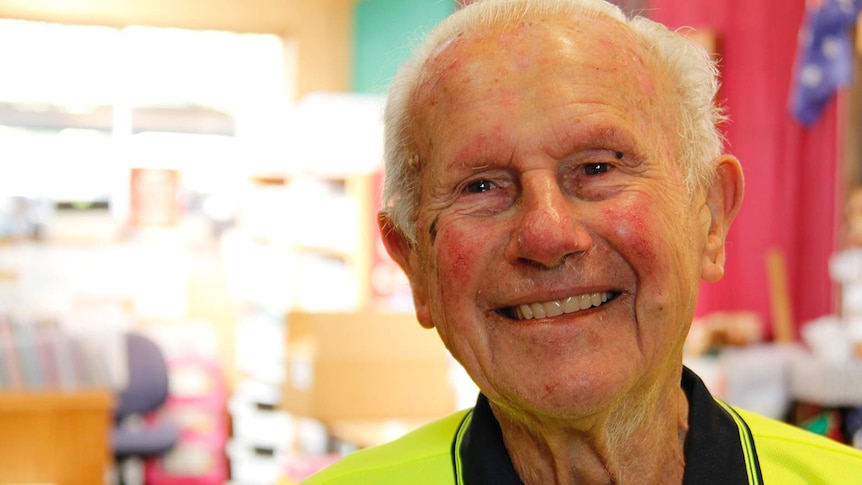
[{"x": 549, "y": 229}]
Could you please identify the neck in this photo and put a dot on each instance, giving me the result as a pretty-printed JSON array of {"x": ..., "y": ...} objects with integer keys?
[{"x": 640, "y": 443}]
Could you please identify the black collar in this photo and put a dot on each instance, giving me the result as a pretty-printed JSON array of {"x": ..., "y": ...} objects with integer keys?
[{"x": 718, "y": 449}]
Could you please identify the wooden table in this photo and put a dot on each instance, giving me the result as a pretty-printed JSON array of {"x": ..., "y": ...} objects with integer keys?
[{"x": 59, "y": 438}]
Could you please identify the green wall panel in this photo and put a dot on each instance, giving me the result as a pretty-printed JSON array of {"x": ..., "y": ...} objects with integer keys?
[{"x": 384, "y": 36}]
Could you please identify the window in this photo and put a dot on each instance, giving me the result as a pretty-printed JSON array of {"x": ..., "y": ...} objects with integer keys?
[{"x": 82, "y": 105}]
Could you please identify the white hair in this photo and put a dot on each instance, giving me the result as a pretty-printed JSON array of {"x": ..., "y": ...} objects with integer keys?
[{"x": 689, "y": 67}]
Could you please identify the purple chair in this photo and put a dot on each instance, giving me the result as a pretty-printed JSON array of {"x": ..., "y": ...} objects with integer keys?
[{"x": 146, "y": 392}]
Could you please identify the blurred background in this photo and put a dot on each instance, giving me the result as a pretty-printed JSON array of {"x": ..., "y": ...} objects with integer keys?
[{"x": 207, "y": 175}]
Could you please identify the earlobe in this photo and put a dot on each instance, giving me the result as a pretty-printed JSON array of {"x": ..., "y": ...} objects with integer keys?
[
  {"x": 402, "y": 250},
  {"x": 724, "y": 197}
]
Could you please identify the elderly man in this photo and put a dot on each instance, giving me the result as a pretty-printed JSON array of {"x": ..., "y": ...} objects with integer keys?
[{"x": 555, "y": 193}]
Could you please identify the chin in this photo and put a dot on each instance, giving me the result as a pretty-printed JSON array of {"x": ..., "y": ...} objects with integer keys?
[{"x": 579, "y": 397}]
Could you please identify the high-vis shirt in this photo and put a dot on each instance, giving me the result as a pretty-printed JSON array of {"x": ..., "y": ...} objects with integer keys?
[{"x": 724, "y": 446}]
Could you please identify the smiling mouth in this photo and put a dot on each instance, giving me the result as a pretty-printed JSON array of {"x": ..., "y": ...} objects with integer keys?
[{"x": 555, "y": 308}]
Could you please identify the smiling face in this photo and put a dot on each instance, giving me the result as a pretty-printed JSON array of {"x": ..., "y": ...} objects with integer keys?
[{"x": 558, "y": 251}]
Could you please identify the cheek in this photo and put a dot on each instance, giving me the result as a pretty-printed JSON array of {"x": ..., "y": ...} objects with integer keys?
[
  {"x": 655, "y": 245},
  {"x": 457, "y": 251},
  {"x": 633, "y": 229}
]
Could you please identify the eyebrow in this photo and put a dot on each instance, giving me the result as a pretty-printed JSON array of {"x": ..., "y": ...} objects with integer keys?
[
  {"x": 465, "y": 159},
  {"x": 607, "y": 136}
]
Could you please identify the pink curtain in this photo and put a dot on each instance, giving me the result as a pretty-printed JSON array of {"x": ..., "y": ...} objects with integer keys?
[{"x": 791, "y": 171}]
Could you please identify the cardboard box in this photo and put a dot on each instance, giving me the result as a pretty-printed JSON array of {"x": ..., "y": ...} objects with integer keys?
[{"x": 357, "y": 366}]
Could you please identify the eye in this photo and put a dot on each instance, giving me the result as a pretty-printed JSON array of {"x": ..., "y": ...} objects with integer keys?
[
  {"x": 596, "y": 168},
  {"x": 479, "y": 186}
]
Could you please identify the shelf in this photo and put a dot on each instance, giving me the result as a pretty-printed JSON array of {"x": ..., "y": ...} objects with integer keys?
[{"x": 312, "y": 225}]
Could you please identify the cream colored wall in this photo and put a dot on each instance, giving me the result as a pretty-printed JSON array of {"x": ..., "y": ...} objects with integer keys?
[{"x": 322, "y": 30}]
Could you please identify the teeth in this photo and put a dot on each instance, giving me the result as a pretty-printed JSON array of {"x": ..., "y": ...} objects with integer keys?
[
  {"x": 554, "y": 308},
  {"x": 538, "y": 310}
]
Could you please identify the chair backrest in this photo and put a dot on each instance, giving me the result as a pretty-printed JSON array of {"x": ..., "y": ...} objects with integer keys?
[{"x": 147, "y": 383}]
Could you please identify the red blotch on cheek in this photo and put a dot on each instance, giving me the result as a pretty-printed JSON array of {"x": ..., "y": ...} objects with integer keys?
[
  {"x": 633, "y": 227},
  {"x": 456, "y": 253}
]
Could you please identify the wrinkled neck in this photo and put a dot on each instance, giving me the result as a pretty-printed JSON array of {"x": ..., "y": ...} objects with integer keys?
[{"x": 640, "y": 443}]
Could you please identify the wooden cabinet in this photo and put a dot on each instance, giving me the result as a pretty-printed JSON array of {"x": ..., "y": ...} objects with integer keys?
[{"x": 56, "y": 438}]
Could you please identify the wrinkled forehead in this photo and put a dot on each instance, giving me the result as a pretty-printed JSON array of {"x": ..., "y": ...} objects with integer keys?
[{"x": 586, "y": 47}]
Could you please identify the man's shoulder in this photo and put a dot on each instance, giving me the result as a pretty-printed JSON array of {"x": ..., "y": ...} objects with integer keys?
[
  {"x": 787, "y": 453},
  {"x": 423, "y": 453}
]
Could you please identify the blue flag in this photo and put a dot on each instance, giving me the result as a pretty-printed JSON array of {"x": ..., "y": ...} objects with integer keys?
[{"x": 825, "y": 58}]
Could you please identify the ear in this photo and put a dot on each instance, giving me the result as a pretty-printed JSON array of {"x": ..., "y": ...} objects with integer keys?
[
  {"x": 403, "y": 252},
  {"x": 723, "y": 199}
]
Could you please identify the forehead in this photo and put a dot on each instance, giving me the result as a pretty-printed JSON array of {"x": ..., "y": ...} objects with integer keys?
[
  {"x": 539, "y": 64},
  {"x": 532, "y": 37}
]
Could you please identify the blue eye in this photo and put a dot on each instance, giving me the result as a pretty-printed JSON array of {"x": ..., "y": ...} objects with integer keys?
[
  {"x": 479, "y": 186},
  {"x": 596, "y": 168}
]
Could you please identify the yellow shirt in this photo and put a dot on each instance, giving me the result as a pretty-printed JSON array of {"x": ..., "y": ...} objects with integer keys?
[{"x": 725, "y": 446}]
